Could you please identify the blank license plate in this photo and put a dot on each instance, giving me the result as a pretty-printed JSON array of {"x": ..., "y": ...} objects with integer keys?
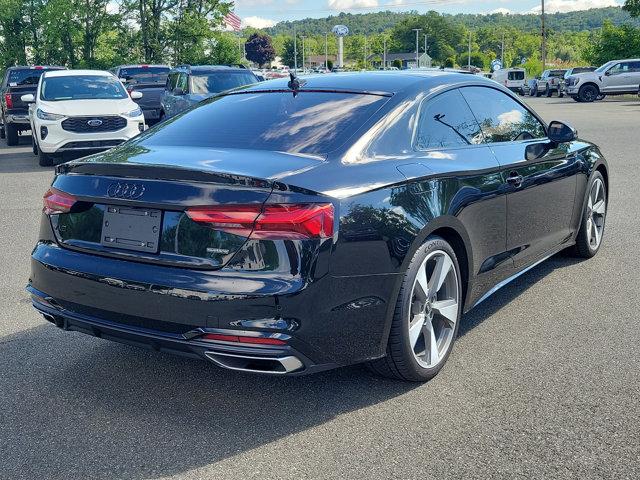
[{"x": 131, "y": 228}]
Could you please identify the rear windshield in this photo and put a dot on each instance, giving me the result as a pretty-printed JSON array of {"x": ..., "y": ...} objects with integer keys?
[
  {"x": 556, "y": 73},
  {"x": 583, "y": 69},
  {"x": 216, "y": 82},
  {"x": 80, "y": 87},
  {"x": 27, "y": 76},
  {"x": 144, "y": 74},
  {"x": 519, "y": 75},
  {"x": 311, "y": 122}
]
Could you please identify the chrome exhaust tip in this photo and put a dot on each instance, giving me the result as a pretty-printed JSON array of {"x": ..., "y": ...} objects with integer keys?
[{"x": 246, "y": 363}]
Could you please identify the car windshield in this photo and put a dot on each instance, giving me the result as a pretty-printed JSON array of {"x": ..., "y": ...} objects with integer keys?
[
  {"x": 82, "y": 87},
  {"x": 27, "y": 76},
  {"x": 216, "y": 82},
  {"x": 604, "y": 67},
  {"x": 309, "y": 122},
  {"x": 144, "y": 74},
  {"x": 516, "y": 75}
]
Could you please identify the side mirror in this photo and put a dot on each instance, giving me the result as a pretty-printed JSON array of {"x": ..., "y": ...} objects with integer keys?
[
  {"x": 28, "y": 98},
  {"x": 178, "y": 91},
  {"x": 136, "y": 95},
  {"x": 560, "y": 132},
  {"x": 123, "y": 80}
]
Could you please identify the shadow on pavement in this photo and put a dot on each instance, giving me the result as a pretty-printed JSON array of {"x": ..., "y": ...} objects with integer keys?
[{"x": 75, "y": 407}]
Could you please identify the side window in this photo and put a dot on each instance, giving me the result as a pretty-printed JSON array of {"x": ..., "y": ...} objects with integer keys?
[
  {"x": 634, "y": 67},
  {"x": 501, "y": 118},
  {"x": 445, "y": 122},
  {"x": 171, "y": 82},
  {"x": 183, "y": 82},
  {"x": 619, "y": 68}
]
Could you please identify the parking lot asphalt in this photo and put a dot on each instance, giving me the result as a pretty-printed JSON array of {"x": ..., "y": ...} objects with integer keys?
[{"x": 544, "y": 381}]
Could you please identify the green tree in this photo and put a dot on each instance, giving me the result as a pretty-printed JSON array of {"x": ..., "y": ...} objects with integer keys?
[
  {"x": 613, "y": 42},
  {"x": 633, "y": 7}
]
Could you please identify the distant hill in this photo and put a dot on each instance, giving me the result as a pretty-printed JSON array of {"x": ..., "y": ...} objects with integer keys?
[{"x": 370, "y": 23}]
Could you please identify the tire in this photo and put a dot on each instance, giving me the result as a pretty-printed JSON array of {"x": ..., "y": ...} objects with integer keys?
[
  {"x": 602, "y": 96},
  {"x": 560, "y": 94},
  {"x": 162, "y": 118},
  {"x": 2, "y": 134},
  {"x": 588, "y": 93},
  {"x": 44, "y": 159},
  {"x": 34, "y": 145},
  {"x": 576, "y": 98},
  {"x": 418, "y": 318},
  {"x": 11, "y": 133},
  {"x": 592, "y": 224},
  {"x": 548, "y": 92},
  {"x": 538, "y": 94}
]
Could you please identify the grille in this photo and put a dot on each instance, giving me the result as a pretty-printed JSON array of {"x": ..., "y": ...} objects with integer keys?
[
  {"x": 92, "y": 144},
  {"x": 82, "y": 124}
]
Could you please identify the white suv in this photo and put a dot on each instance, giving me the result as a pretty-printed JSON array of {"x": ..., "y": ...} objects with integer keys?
[
  {"x": 81, "y": 110},
  {"x": 618, "y": 77}
]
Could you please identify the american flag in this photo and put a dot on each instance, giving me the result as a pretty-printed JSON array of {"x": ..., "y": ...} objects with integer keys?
[{"x": 233, "y": 21}]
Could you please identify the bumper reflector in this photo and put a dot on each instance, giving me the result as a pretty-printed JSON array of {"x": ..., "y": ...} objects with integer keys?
[{"x": 242, "y": 339}]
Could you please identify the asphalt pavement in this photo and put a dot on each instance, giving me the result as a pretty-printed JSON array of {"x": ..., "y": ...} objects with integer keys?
[{"x": 544, "y": 381}]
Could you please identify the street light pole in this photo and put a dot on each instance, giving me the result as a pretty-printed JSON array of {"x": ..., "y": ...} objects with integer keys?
[
  {"x": 417, "y": 30},
  {"x": 502, "y": 55},
  {"x": 544, "y": 41},
  {"x": 295, "y": 50},
  {"x": 326, "y": 50},
  {"x": 303, "y": 37},
  {"x": 365, "y": 52},
  {"x": 384, "y": 53},
  {"x": 469, "y": 64},
  {"x": 425, "y": 44}
]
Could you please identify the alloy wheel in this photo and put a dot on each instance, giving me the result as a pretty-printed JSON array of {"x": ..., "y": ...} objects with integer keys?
[
  {"x": 435, "y": 305},
  {"x": 596, "y": 212}
]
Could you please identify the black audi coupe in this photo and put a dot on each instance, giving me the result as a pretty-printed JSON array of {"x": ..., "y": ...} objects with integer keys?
[{"x": 299, "y": 225}]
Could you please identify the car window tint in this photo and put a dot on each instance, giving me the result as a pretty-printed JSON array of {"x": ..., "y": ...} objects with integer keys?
[
  {"x": 310, "y": 122},
  {"x": 215, "y": 82},
  {"x": 182, "y": 82},
  {"x": 501, "y": 118},
  {"x": 446, "y": 121}
]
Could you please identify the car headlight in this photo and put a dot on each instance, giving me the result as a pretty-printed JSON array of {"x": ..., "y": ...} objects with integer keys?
[
  {"x": 133, "y": 113},
  {"x": 42, "y": 115}
]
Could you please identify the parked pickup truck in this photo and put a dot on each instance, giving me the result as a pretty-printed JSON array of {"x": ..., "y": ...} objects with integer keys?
[
  {"x": 549, "y": 83},
  {"x": 150, "y": 80},
  {"x": 18, "y": 81}
]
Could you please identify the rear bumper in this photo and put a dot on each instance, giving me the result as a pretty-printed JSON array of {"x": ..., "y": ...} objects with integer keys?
[
  {"x": 329, "y": 322},
  {"x": 281, "y": 360},
  {"x": 18, "y": 118}
]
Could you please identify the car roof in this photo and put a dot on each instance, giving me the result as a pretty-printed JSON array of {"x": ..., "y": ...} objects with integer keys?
[
  {"x": 36, "y": 67},
  {"x": 381, "y": 82},
  {"x": 72, "y": 73},
  {"x": 209, "y": 68},
  {"x": 143, "y": 65}
]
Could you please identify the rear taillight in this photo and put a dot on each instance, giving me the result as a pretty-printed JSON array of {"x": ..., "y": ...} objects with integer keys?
[
  {"x": 242, "y": 339},
  {"x": 56, "y": 201},
  {"x": 272, "y": 222},
  {"x": 8, "y": 100}
]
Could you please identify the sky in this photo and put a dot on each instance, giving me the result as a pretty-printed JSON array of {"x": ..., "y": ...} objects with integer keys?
[{"x": 265, "y": 13}]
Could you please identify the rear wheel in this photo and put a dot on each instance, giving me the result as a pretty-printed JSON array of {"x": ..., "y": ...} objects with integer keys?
[
  {"x": 2, "y": 135},
  {"x": 11, "y": 133},
  {"x": 427, "y": 315},
  {"x": 34, "y": 145},
  {"x": 548, "y": 92},
  {"x": 593, "y": 219},
  {"x": 588, "y": 93}
]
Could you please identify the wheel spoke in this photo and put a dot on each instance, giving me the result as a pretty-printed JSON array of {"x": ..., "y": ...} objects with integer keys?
[
  {"x": 596, "y": 233},
  {"x": 422, "y": 285},
  {"x": 416, "y": 329},
  {"x": 590, "y": 203},
  {"x": 431, "y": 344},
  {"x": 440, "y": 272},
  {"x": 599, "y": 207},
  {"x": 596, "y": 193},
  {"x": 448, "y": 309}
]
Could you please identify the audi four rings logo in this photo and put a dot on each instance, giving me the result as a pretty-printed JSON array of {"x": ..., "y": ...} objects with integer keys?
[
  {"x": 94, "y": 123},
  {"x": 130, "y": 191}
]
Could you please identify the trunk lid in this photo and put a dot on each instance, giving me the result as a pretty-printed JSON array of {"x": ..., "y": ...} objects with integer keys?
[
  {"x": 16, "y": 94},
  {"x": 131, "y": 202}
]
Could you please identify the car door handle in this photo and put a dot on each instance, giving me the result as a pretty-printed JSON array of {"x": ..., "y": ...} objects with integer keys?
[{"x": 515, "y": 179}]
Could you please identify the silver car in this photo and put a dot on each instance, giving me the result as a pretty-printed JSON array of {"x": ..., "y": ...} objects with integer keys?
[{"x": 618, "y": 77}]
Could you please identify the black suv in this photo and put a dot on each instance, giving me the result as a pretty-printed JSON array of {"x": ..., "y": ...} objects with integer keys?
[
  {"x": 18, "y": 81},
  {"x": 148, "y": 79}
]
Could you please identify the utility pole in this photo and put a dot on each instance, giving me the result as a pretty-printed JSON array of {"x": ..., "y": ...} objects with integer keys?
[
  {"x": 469, "y": 64},
  {"x": 295, "y": 50},
  {"x": 502, "y": 55},
  {"x": 425, "y": 44},
  {"x": 326, "y": 50},
  {"x": 544, "y": 41},
  {"x": 303, "y": 37},
  {"x": 365, "y": 52},
  {"x": 384, "y": 53},
  {"x": 417, "y": 30}
]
